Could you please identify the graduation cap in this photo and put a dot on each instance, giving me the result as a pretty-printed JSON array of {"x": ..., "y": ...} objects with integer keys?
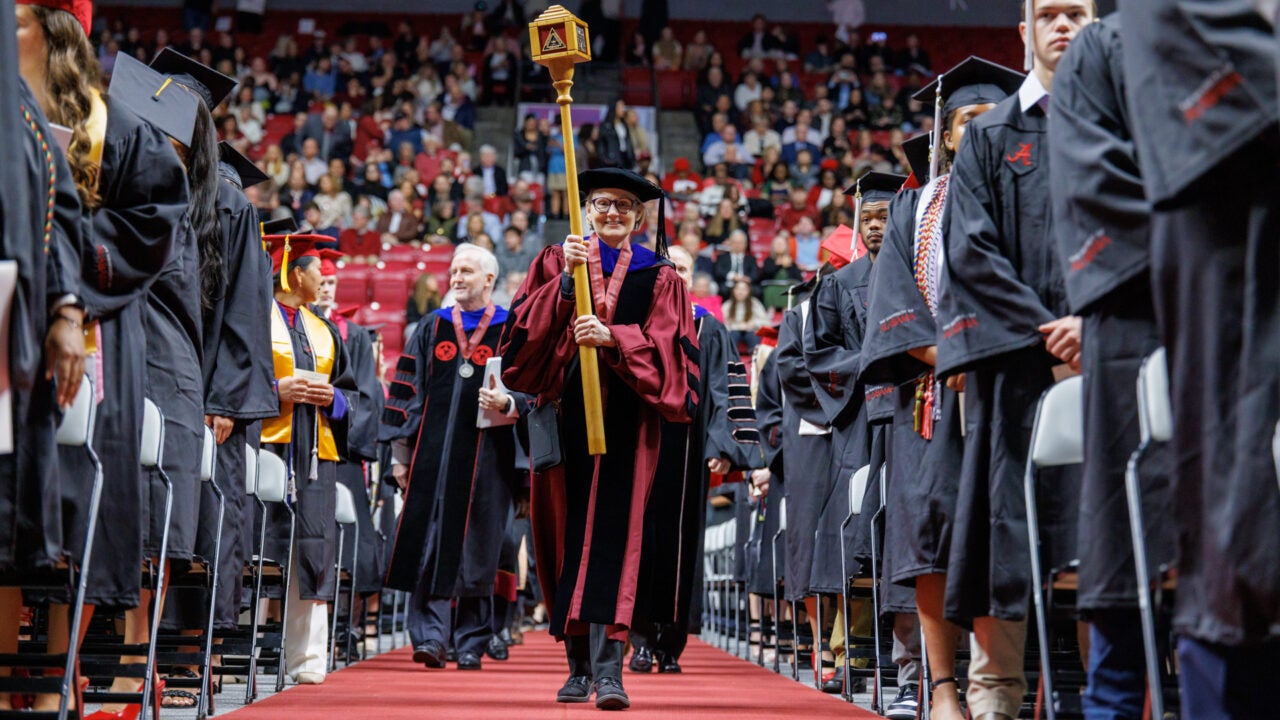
[
  {"x": 155, "y": 98},
  {"x": 619, "y": 179},
  {"x": 917, "y": 151},
  {"x": 972, "y": 82},
  {"x": 81, "y": 9},
  {"x": 840, "y": 244},
  {"x": 209, "y": 84},
  {"x": 285, "y": 249},
  {"x": 282, "y": 226},
  {"x": 245, "y": 170},
  {"x": 328, "y": 262},
  {"x": 348, "y": 312}
]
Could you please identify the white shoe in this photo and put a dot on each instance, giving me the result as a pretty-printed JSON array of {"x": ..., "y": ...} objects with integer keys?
[{"x": 309, "y": 678}]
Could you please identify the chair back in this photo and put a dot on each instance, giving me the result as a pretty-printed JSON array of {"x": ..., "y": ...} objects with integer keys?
[
  {"x": 273, "y": 478},
  {"x": 76, "y": 429},
  {"x": 345, "y": 512},
  {"x": 782, "y": 514},
  {"x": 152, "y": 435},
  {"x": 1058, "y": 436},
  {"x": 1155, "y": 414},
  {"x": 251, "y": 470},
  {"x": 208, "y": 456},
  {"x": 858, "y": 488}
]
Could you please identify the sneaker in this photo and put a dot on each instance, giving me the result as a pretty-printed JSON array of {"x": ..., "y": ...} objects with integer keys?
[
  {"x": 309, "y": 678},
  {"x": 905, "y": 705},
  {"x": 610, "y": 695},
  {"x": 577, "y": 689}
]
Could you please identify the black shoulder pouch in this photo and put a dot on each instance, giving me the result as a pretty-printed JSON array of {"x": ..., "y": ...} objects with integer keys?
[{"x": 544, "y": 437}]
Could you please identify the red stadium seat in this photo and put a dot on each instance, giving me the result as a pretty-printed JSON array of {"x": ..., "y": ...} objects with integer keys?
[
  {"x": 353, "y": 286},
  {"x": 391, "y": 287},
  {"x": 401, "y": 253}
]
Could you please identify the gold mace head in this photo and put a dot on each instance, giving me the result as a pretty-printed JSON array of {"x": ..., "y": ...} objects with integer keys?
[{"x": 558, "y": 37}]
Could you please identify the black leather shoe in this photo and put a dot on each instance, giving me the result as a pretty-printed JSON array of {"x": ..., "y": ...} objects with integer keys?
[
  {"x": 497, "y": 649},
  {"x": 577, "y": 689},
  {"x": 451, "y": 654},
  {"x": 468, "y": 661},
  {"x": 430, "y": 653},
  {"x": 835, "y": 684},
  {"x": 668, "y": 664},
  {"x": 610, "y": 695},
  {"x": 641, "y": 660}
]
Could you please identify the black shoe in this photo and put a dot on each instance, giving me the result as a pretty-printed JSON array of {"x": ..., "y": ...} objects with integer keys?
[
  {"x": 497, "y": 649},
  {"x": 905, "y": 705},
  {"x": 610, "y": 695},
  {"x": 577, "y": 689},
  {"x": 668, "y": 664},
  {"x": 641, "y": 660},
  {"x": 451, "y": 654},
  {"x": 468, "y": 661},
  {"x": 430, "y": 653}
]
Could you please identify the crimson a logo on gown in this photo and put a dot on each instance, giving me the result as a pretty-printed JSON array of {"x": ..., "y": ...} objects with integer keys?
[
  {"x": 481, "y": 355},
  {"x": 446, "y": 351}
]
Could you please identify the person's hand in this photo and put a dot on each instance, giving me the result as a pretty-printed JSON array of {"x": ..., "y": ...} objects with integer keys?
[
  {"x": 760, "y": 481},
  {"x": 221, "y": 427},
  {"x": 493, "y": 399},
  {"x": 1063, "y": 339},
  {"x": 590, "y": 332},
  {"x": 64, "y": 354},
  {"x": 575, "y": 253},
  {"x": 292, "y": 389},
  {"x": 956, "y": 383},
  {"x": 319, "y": 394},
  {"x": 719, "y": 466},
  {"x": 400, "y": 475}
]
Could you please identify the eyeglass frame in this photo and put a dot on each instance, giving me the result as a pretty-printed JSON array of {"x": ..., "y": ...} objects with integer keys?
[{"x": 613, "y": 202}]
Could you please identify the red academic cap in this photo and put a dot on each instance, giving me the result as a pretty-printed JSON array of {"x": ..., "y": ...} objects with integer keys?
[
  {"x": 830, "y": 164},
  {"x": 680, "y": 165},
  {"x": 285, "y": 249},
  {"x": 348, "y": 312},
  {"x": 81, "y": 9},
  {"x": 840, "y": 245},
  {"x": 328, "y": 262},
  {"x": 768, "y": 336}
]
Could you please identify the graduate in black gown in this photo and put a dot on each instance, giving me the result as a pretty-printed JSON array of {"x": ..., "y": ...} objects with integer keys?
[
  {"x": 316, "y": 390},
  {"x": 1102, "y": 229},
  {"x": 459, "y": 480},
  {"x": 588, "y": 512},
  {"x": 1003, "y": 323},
  {"x": 45, "y": 350},
  {"x": 722, "y": 439},
  {"x": 900, "y": 349},
  {"x": 768, "y": 473},
  {"x": 1201, "y": 85}
]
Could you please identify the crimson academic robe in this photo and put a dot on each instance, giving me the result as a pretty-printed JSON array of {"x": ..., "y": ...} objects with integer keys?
[
  {"x": 143, "y": 190},
  {"x": 724, "y": 427},
  {"x": 461, "y": 478},
  {"x": 48, "y": 263},
  {"x": 1002, "y": 282},
  {"x": 1102, "y": 230},
  {"x": 588, "y": 512}
]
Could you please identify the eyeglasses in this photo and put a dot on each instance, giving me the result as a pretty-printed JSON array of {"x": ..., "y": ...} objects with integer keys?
[{"x": 602, "y": 204}]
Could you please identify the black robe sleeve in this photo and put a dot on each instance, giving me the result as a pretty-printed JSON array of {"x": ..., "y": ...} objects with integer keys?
[
  {"x": 367, "y": 406},
  {"x": 899, "y": 319},
  {"x": 239, "y": 376},
  {"x": 793, "y": 375},
  {"x": 730, "y": 431},
  {"x": 1100, "y": 211},
  {"x": 402, "y": 414},
  {"x": 144, "y": 196},
  {"x": 769, "y": 412},
  {"x": 344, "y": 381}
]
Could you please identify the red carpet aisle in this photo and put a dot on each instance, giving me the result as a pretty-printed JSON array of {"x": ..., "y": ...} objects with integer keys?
[{"x": 390, "y": 687}]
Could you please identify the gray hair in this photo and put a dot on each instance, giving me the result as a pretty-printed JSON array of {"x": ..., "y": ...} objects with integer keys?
[{"x": 488, "y": 262}]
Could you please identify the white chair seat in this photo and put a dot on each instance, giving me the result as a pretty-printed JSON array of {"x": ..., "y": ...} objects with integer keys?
[
  {"x": 251, "y": 470},
  {"x": 152, "y": 435},
  {"x": 1157, "y": 417},
  {"x": 1059, "y": 433},
  {"x": 273, "y": 478},
  {"x": 858, "y": 488},
  {"x": 208, "y": 456},
  {"x": 345, "y": 512},
  {"x": 76, "y": 428}
]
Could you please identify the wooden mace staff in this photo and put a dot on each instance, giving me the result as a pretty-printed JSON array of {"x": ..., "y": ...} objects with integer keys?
[{"x": 559, "y": 40}]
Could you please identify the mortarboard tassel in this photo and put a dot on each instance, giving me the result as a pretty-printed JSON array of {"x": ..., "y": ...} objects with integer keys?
[
  {"x": 284, "y": 266},
  {"x": 857, "y": 216},
  {"x": 935, "y": 140},
  {"x": 1029, "y": 54}
]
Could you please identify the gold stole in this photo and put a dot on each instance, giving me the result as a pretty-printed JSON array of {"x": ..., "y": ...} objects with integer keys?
[{"x": 279, "y": 430}]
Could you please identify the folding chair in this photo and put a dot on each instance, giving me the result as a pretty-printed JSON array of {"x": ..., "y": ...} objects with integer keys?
[
  {"x": 857, "y": 490},
  {"x": 777, "y": 601},
  {"x": 1155, "y": 425},
  {"x": 1057, "y": 439},
  {"x": 271, "y": 487},
  {"x": 877, "y": 673},
  {"x": 345, "y": 514},
  {"x": 208, "y": 472},
  {"x": 152, "y": 458}
]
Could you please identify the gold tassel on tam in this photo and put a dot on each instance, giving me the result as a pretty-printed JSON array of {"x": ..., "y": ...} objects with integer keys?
[{"x": 284, "y": 267}]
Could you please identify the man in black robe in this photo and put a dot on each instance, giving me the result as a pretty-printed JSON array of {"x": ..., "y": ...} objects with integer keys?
[
  {"x": 315, "y": 387},
  {"x": 722, "y": 438},
  {"x": 1201, "y": 86},
  {"x": 1102, "y": 228},
  {"x": 458, "y": 480},
  {"x": 1003, "y": 324}
]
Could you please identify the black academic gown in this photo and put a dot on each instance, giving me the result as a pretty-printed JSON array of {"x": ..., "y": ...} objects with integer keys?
[
  {"x": 462, "y": 478},
  {"x": 362, "y": 447},
  {"x": 1102, "y": 229},
  {"x": 1002, "y": 282},
  {"x": 316, "y": 533},
  {"x": 143, "y": 190},
  {"x": 766, "y": 513},
  {"x": 922, "y": 492},
  {"x": 675, "y": 517},
  {"x": 48, "y": 264},
  {"x": 1201, "y": 85}
]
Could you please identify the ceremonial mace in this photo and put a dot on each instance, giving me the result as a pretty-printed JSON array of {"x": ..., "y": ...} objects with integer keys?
[{"x": 558, "y": 40}]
